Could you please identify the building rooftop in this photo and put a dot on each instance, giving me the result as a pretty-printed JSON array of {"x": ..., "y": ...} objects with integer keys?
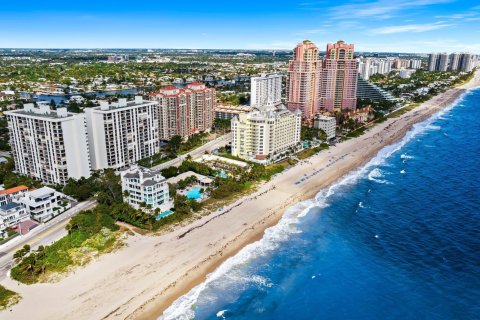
[
  {"x": 122, "y": 103},
  {"x": 43, "y": 111},
  {"x": 41, "y": 193},
  {"x": 13, "y": 190},
  {"x": 9, "y": 206}
]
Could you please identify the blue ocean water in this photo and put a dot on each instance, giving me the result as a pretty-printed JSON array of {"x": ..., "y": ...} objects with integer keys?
[{"x": 398, "y": 239}]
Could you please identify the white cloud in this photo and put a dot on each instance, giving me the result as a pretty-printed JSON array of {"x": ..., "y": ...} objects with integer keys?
[
  {"x": 382, "y": 9},
  {"x": 409, "y": 28}
]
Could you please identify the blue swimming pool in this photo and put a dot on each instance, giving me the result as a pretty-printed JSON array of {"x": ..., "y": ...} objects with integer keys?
[
  {"x": 194, "y": 193},
  {"x": 222, "y": 175},
  {"x": 163, "y": 214}
]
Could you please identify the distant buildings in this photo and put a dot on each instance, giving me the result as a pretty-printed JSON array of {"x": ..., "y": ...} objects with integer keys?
[
  {"x": 369, "y": 66},
  {"x": 266, "y": 89},
  {"x": 338, "y": 90},
  {"x": 145, "y": 189},
  {"x": 328, "y": 84},
  {"x": 49, "y": 145},
  {"x": 265, "y": 133},
  {"x": 455, "y": 62},
  {"x": 117, "y": 58},
  {"x": 327, "y": 124},
  {"x": 304, "y": 73},
  {"x": 122, "y": 133},
  {"x": 228, "y": 112},
  {"x": 406, "y": 73},
  {"x": 186, "y": 111}
]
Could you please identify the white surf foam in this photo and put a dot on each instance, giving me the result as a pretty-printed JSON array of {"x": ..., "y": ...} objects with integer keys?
[{"x": 182, "y": 308}]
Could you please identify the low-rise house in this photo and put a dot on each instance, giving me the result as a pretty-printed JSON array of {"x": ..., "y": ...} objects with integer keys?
[
  {"x": 327, "y": 124},
  {"x": 8, "y": 195},
  {"x": 145, "y": 189},
  {"x": 45, "y": 203},
  {"x": 11, "y": 214}
]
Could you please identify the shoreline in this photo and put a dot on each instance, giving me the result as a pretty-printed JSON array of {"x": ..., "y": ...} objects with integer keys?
[{"x": 143, "y": 279}]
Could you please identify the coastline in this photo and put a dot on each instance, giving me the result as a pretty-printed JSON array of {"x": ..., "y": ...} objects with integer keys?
[{"x": 141, "y": 281}]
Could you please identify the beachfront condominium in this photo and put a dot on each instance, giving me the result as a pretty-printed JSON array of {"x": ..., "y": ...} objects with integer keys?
[
  {"x": 304, "y": 72},
  {"x": 184, "y": 111},
  {"x": 266, "y": 89},
  {"x": 442, "y": 62},
  {"x": 121, "y": 133},
  {"x": 265, "y": 133},
  {"x": 338, "y": 89},
  {"x": 433, "y": 58},
  {"x": 438, "y": 62},
  {"x": 455, "y": 61},
  {"x": 49, "y": 145},
  {"x": 145, "y": 189}
]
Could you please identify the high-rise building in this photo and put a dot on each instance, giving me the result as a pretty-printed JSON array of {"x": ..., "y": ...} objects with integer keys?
[
  {"x": 122, "y": 133},
  {"x": 368, "y": 90},
  {"x": 338, "y": 89},
  {"x": 266, "y": 89},
  {"x": 49, "y": 145},
  {"x": 265, "y": 133},
  {"x": 433, "y": 59},
  {"x": 186, "y": 111},
  {"x": 455, "y": 61},
  {"x": 467, "y": 62},
  {"x": 442, "y": 62},
  {"x": 304, "y": 73}
]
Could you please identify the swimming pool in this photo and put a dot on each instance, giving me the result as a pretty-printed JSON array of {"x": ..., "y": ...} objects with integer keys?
[
  {"x": 163, "y": 214},
  {"x": 194, "y": 193},
  {"x": 222, "y": 175}
]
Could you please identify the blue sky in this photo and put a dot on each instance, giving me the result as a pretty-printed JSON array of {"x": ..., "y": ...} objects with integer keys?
[{"x": 380, "y": 25}]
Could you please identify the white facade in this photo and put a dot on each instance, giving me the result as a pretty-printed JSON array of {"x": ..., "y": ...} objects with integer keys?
[
  {"x": 327, "y": 124},
  {"x": 144, "y": 186},
  {"x": 49, "y": 145},
  {"x": 11, "y": 214},
  {"x": 266, "y": 132},
  {"x": 122, "y": 133},
  {"x": 45, "y": 203},
  {"x": 266, "y": 89},
  {"x": 406, "y": 73}
]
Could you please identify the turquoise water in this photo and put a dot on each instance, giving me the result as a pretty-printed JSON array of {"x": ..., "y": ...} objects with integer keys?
[
  {"x": 163, "y": 214},
  {"x": 222, "y": 175},
  {"x": 396, "y": 239},
  {"x": 194, "y": 193}
]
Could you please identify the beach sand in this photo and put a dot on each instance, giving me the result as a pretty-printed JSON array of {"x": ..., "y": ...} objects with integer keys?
[{"x": 142, "y": 279}]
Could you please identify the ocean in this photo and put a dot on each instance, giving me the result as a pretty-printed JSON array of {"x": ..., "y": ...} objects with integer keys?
[{"x": 397, "y": 239}]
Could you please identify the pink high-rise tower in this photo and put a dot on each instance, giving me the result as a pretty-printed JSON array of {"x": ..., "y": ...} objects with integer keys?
[
  {"x": 304, "y": 73},
  {"x": 338, "y": 90}
]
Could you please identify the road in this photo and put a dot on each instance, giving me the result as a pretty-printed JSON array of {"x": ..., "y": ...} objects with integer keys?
[
  {"x": 44, "y": 234},
  {"x": 209, "y": 146}
]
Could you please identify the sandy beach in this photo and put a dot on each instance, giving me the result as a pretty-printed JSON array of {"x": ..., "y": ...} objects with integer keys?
[{"x": 142, "y": 279}]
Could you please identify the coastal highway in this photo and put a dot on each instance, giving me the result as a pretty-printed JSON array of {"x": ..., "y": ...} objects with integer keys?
[
  {"x": 209, "y": 146},
  {"x": 43, "y": 234}
]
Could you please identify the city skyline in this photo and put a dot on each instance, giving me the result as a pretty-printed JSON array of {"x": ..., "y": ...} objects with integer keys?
[{"x": 404, "y": 26}]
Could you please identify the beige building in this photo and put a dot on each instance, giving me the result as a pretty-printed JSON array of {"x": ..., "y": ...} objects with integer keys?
[{"x": 265, "y": 133}]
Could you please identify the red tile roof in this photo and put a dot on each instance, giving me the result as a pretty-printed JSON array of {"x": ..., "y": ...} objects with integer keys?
[{"x": 14, "y": 190}]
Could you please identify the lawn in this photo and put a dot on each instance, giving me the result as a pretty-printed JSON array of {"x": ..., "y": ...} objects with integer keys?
[{"x": 7, "y": 298}]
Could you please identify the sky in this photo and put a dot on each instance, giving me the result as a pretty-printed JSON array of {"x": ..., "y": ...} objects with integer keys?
[{"x": 417, "y": 26}]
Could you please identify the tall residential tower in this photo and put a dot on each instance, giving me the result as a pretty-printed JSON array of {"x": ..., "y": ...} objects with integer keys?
[
  {"x": 304, "y": 73},
  {"x": 338, "y": 89}
]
